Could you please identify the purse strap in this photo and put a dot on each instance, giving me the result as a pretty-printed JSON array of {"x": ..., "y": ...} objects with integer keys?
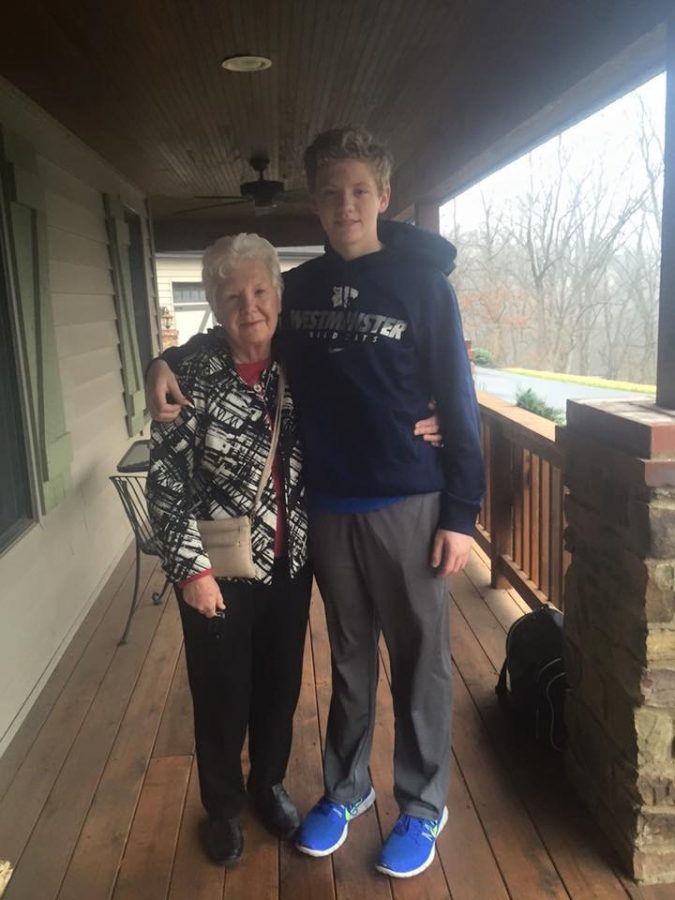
[{"x": 267, "y": 468}]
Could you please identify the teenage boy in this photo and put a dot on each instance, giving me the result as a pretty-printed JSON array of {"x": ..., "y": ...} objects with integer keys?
[
  {"x": 372, "y": 336},
  {"x": 371, "y": 333}
]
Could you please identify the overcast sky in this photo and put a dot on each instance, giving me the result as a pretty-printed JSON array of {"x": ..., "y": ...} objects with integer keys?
[{"x": 607, "y": 140}]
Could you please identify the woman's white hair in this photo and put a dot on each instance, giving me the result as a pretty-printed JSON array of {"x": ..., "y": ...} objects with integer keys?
[{"x": 222, "y": 258}]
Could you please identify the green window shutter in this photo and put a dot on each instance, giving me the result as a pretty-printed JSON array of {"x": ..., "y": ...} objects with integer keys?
[
  {"x": 132, "y": 374},
  {"x": 27, "y": 225}
]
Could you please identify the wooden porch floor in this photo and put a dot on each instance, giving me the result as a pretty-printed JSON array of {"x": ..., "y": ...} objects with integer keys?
[{"x": 99, "y": 794}]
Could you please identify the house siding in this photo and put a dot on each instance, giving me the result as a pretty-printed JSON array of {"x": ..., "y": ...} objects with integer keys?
[
  {"x": 54, "y": 572},
  {"x": 176, "y": 268}
]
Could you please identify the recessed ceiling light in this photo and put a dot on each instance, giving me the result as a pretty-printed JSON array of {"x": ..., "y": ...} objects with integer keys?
[{"x": 246, "y": 63}]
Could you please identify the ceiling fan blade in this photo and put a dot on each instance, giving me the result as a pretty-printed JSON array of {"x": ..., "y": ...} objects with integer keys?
[
  {"x": 195, "y": 209},
  {"x": 294, "y": 196}
]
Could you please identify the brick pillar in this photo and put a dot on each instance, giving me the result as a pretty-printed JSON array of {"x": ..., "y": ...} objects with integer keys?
[{"x": 620, "y": 626}]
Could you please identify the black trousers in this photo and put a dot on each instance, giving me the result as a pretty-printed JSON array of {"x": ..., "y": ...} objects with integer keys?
[{"x": 245, "y": 672}]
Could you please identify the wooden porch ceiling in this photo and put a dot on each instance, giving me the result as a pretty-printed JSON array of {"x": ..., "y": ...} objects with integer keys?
[
  {"x": 99, "y": 796},
  {"x": 452, "y": 86}
]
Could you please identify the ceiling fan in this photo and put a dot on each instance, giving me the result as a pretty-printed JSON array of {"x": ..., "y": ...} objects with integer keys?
[{"x": 264, "y": 193}]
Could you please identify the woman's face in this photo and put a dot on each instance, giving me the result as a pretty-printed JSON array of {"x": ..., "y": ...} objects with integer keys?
[{"x": 248, "y": 306}]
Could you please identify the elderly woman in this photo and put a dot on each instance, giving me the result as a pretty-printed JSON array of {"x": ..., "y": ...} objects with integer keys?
[{"x": 244, "y": 637}]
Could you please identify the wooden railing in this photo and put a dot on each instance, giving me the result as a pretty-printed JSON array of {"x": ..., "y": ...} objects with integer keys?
[{"x": 521, "y": 523}]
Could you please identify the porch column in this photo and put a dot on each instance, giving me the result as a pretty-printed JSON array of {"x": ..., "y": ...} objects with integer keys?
[
  {"x": 427, "y": 215},
  {"x": 620, "y": 626},
  {"x": 665, "y": 367}
]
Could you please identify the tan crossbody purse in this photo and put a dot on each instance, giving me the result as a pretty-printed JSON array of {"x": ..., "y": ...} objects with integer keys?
[{"x": 228, "y": 541}]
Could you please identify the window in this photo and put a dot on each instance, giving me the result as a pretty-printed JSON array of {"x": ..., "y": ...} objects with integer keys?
[
  {"x": 188, "y": 294},
  {"x": 42, "y": 401},
  {"x": 131, "y": 305},
  {"x": 192, "y": 312},
  {"x": 15, "y": 498},
  {"x": 139, "y": 287}
]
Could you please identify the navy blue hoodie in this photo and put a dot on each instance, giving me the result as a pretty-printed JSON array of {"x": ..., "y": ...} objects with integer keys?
[{"x": 367, "y": 343}]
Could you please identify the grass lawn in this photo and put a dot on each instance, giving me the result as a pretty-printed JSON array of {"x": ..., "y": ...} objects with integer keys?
[{"x": 587, "y": 379}]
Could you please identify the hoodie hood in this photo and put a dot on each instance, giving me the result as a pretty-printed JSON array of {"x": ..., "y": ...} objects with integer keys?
[{"x": 416, "y": 244}]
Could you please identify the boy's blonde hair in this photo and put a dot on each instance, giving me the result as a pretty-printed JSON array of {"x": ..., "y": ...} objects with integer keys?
[{"x": 349, "y": 142}]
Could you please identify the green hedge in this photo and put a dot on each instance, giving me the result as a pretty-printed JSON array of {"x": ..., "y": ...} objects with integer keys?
[{"x": 527, "y": 399}]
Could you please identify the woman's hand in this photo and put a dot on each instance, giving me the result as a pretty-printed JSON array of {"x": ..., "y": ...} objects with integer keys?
[
  {"x": 162, "y": 384},
  {"x": 430, "y": 429},
  {"x": 204, "y": 595},
  {"x": 450, "y": 552}
]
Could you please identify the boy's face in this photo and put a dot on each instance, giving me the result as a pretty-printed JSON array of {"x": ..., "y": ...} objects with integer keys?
[{"x": 348, "y": 201}]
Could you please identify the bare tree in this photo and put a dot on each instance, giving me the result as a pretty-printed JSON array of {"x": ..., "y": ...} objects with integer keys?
[{"x": 565, "y": 274}]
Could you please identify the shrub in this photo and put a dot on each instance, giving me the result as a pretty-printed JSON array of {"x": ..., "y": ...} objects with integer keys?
[
  {"x": 526, "y": 398},
  {"x": 483, "y": 357}
]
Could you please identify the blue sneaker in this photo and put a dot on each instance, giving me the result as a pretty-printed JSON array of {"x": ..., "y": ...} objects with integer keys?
[
  {"x": 411, "y": 846},
  {"x": 326, "y": 825}
]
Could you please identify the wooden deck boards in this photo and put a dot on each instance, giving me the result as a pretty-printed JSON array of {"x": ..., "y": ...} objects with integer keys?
[{"x": 99, "y": 796}]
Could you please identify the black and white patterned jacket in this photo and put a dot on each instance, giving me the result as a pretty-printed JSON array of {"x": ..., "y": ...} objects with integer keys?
[{"x": 208, "y": 463}]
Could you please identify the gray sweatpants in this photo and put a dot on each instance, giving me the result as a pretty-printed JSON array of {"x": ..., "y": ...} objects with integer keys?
[{"x": 374, "y": 574}]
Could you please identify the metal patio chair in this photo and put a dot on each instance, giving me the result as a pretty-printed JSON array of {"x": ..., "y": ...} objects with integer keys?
[{"x": 131, "y": 491}]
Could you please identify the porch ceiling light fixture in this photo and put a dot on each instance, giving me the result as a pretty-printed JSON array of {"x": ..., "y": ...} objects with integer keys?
[{"x": 246, "y": 63}]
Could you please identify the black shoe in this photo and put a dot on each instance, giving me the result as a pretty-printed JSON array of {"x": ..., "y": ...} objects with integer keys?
[
  {"x": 224, "y": 840},
  {"x": 277, "y": 811}
]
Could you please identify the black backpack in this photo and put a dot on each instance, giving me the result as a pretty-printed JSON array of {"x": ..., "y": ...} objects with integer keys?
[{"x": 532, "y": 683}]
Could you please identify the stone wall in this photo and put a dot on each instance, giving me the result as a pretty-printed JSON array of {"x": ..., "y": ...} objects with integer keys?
[{"x": 620, "y": 626}]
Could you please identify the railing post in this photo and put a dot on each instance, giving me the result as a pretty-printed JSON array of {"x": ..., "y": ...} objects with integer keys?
[{"x": 501, "y": 504}]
